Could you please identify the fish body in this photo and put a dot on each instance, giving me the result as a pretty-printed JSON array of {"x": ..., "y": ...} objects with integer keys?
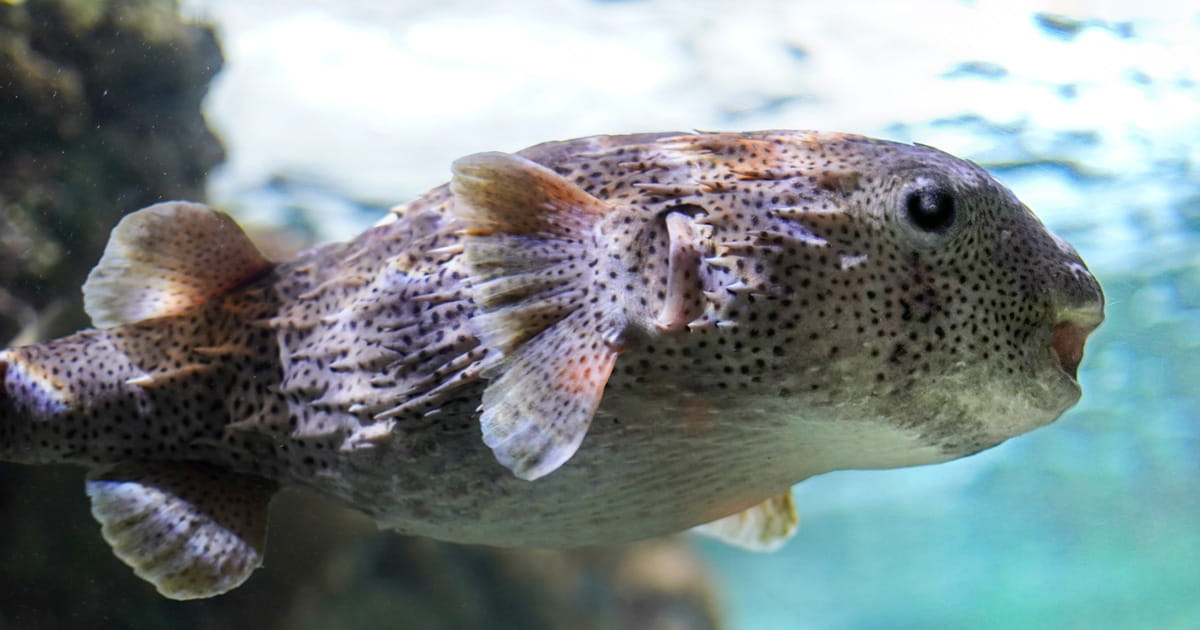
[{"x": 587, "y": 342}]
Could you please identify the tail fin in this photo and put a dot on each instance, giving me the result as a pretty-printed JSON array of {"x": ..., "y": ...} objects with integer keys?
[
  {"x": 7, "y": 412},
  {"x": 28, "y": 397}
]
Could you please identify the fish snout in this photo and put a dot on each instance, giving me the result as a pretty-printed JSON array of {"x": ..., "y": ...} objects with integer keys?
[{"x": 1078, "y": 307}]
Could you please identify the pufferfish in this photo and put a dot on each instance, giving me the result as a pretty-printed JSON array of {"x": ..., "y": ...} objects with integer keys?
[{"x": 585, "y": 342}]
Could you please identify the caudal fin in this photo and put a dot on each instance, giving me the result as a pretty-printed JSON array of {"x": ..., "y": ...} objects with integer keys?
[
  {"x": 28, "y": 398},
  {"x": 6, "y": 409}
]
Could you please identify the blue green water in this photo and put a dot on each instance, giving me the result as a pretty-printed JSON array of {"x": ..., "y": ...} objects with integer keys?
[{"x": 1092, "y": 522}]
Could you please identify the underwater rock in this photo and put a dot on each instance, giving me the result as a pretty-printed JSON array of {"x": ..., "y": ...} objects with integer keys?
[
  {"x": 331, "y": 568},
  {"x": 421, "y": 583},
  {"x": 99, "y": 115}
]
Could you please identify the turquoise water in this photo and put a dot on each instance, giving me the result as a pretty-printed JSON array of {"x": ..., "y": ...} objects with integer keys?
[
  {"x": 1092, "y": 522},
  {"x": 333, "y": 111}
]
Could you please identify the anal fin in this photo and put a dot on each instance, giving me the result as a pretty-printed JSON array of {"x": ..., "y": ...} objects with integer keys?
[
  {"x": 193, "y": 530},
  {"x": 764, "y": 527}
]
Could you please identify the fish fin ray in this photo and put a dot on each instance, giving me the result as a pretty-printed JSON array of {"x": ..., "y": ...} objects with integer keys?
[
  {"x": 529, "y": 238},
  {"x": 190, "y": 529},
  {"x": 165, "y": 259},
  {"x": 539, "y": 405},
  {"x": 764, "y": 527}
]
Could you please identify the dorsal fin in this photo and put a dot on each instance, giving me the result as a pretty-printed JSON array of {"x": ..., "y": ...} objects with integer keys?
[
  {"x": 553, "y": 325},
  {"x": 764, "y": 527},
  {"x": 165, "y": 259}
]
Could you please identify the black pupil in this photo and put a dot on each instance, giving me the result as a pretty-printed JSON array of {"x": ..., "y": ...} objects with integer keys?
[{"x": 931, "y": 210}]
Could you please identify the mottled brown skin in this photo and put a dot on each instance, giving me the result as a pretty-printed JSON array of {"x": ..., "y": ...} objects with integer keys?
[{"x": 830, "y": 333}]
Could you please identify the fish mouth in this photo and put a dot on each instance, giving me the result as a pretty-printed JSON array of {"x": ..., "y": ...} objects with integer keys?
[{"x": 1070, "y": 333}]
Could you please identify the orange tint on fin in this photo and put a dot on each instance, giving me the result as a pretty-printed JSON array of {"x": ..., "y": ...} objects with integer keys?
[
  {"x": 507, "y": 193},
  {"x": 554, "y": 330},
  {"x": 190, "y": 529},
  {"x": 542, "y": 398},
  {"x": 165, "y": 259}
]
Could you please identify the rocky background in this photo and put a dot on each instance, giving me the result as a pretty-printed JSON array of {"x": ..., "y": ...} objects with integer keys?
[{"x": 100, "y": 114}]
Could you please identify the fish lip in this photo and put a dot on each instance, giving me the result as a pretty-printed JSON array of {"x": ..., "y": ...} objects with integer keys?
[{"x": 1069, "y": 335}]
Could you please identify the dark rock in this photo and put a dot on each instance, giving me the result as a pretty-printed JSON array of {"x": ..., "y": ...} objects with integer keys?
[{"x": 99, "y": 116}]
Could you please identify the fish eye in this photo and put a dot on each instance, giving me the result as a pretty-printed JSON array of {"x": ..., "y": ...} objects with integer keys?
[{"x": 930, "y": 209}]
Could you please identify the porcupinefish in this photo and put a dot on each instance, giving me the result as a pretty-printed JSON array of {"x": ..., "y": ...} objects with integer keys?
[{"x": 586, "y": 342}]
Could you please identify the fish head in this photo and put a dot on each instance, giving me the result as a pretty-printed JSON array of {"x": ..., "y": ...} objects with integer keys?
[
  {"x": 986, "y": 310},
  {"x": 905, "y": 278}
]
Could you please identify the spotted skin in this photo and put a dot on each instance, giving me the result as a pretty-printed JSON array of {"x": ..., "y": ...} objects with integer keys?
[{"x": 776, "y": 305}]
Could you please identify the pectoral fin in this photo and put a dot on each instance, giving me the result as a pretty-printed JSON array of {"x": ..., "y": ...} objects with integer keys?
[
  {"x": 544, "y": 311},
  {"x": 166, "y": 258},
  {"x": 764, "y": 527},
  {"x": 190, "y": 529}
]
